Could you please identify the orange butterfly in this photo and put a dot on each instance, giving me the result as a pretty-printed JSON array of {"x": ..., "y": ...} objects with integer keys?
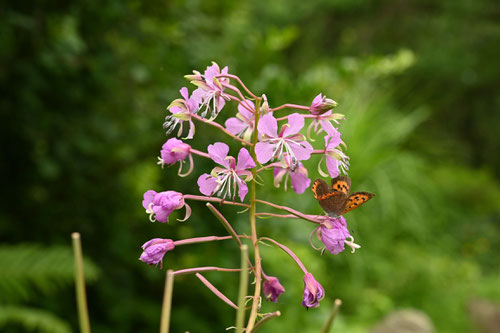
[{"x": 335, "y": 200}]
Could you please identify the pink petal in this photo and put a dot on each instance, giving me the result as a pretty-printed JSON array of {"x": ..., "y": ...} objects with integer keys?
[
  {"x": 185, "y": 93},
  {"x": 268, "y": 125},
  {"x": 162, "y": 213},
  {"x": 302, "y": 150},
  {"x": 207, "y": 184},
  {"x": 235, "y": 126},
  {"x": 300, "y": 181},
  {"x": 244, "y": 111},
  {"x": 327, "y": 126},
  {"x": 332, "y": 140},
  {"x": 295, "y": 122},
  {"x": 220, "y": 103},
  {"x": 218, "y": 153},
  {"x": 278, "y": 174},
  {"x": 242, "y": 189},
  {"x": 148, "y": 198},
  {"x": 332, "y": 165},
  {"x": 264, "y": 151},
  {"x": 245, "y": 161}
]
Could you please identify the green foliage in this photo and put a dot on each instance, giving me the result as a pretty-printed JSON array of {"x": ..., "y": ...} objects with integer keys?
[
  {"x": 85, "y": 85},
  {"x": 31, "y": 320},
  {"x": 28, "y": 270}
]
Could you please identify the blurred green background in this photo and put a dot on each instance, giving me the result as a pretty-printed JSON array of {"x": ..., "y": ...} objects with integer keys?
[{"x": 85, "y": 85}]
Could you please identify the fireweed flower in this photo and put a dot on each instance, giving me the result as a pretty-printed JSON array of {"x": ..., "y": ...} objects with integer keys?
[
  {"x": 298, "y": 175},
  {"x": 321, "y": 104},
  {"x": 243, "y": 124},
  {"x": 210, "y": 89},
  {"x": 272, "y": 288},
  {"x": 160, "y": 205},
  {"x": 334, "y": 234},
  {"x": 174, "y": 150},
  {"x": 155, "y": 249},
  {"x": 224, "y": 180},
  {"x": 336, "y": 160},
  {"x": 313, "y": 292},
  {"x": 181, "y": 110},
  {"x": 288, "y": 141}
]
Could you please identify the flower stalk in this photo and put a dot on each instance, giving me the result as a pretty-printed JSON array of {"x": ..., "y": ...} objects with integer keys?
[
  {"x": 167, "y": 302},
  {"x": 253, "y": 225},
  {"x": 335, "y": 310},
  {"x": 81, "y": 298},
  {"x": 243, "y": 289}
]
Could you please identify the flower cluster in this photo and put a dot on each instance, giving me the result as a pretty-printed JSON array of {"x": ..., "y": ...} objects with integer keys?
[{"x": 270, "y": 142}]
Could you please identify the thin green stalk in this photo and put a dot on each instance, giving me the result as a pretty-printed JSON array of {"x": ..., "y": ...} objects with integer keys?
[
  {"x": 265, "y": 319},
  {"x": 253, "y": 226},
  {"x": 81, "y": 298},
  {"x": 328, "y": 324},
  {"x": 243, "y": 290},
  {"x": 167, "y": 302}
]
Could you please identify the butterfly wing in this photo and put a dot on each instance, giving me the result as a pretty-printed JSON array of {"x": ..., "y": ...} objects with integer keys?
[
  {"x": 330, "y": 200},
  {"x": 341, "y": 184},
  {"x": 355, "y": 200}
]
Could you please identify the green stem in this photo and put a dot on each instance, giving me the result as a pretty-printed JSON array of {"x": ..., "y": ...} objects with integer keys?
[
  {"x": 243, "y": 290},
  {"x": 81, "y": 298},
  {"x": 253, "y": 226},
  {"x": 265, "y": 319},
  {"x": 167, "y": 302},
  {"x": 328, "y": 324}
]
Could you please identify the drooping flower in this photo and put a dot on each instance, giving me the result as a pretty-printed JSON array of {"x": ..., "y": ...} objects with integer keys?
[
  {"x": 155, "y": 249},
  {"x": 334, "y": 234},
  {"x": 298, "y": 176},
  {"x": 321, "y": 104},
  {"x": 224, "y": 180},
  {"x": 272, "y": 288},
  {"x": 159, "y": 206},
  {"x": 242, "y": 125},
  {"x": 175, "y": 150},
  {"x": 288, "y": 141},
  {"x": 210, "y": 89},
  {"x": 336, "y": 160},
  {"x": 181, "y": 110},
  {"x": 313, "y": 292}
]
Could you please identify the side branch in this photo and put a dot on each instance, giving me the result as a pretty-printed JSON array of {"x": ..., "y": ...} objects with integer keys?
[
  {"x": 220, "y": 127},
  {"x": 213, "y": 199},
  {"x": 290, "y": 210}
]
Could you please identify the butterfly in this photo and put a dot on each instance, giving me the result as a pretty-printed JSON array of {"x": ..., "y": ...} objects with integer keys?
[{"x": 335, "y": 200}]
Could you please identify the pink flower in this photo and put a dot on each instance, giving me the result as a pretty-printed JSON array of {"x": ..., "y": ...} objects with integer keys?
[
  {"x": 334, "y": 234},
  {"x": 159, "y": 206},
  {"x": 313, "y": 292},
  {"x": 155, "y": 249},
  {"x": 336, "y": 160},
  {"x": 289, "y": 141},
  {"x": 181, "y": 110},
  {"x": 298, "y": 175},
  {"x": 243, "y": 124},
  {"x": 175, "y": 150},
  {"x": 321, "y": 104},
  {"x": 224, "y": 180},
  {"x": 210, "y": 89},
  {"x": 272, "y": 288}
]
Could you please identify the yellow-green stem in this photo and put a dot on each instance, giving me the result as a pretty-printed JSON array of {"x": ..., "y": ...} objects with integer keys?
[
  {"x": 253, "y": 226},
  {"x": 81, "y": 298},
  {"x": 328, "y": 324},
  {"x": 240, "y": 315},
  {"x": 167, "y": 302}
]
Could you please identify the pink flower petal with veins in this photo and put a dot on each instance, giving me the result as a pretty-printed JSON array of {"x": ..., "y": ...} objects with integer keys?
[
  {"x": 264, "y": 151},
  {"x": 245, "y": 161},
  {"x": 295, "y": 122},
  {"x": 268, "y": 125},
  {"x": 207, "y": 184},
  {"x": 218, "y": 152}
]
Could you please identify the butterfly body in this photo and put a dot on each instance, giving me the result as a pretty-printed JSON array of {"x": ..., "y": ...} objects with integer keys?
[{"x": 335, "y": 199}]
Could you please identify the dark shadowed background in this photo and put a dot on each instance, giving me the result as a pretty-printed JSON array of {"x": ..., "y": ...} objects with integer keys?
[{"x": 85, "y": 86}]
